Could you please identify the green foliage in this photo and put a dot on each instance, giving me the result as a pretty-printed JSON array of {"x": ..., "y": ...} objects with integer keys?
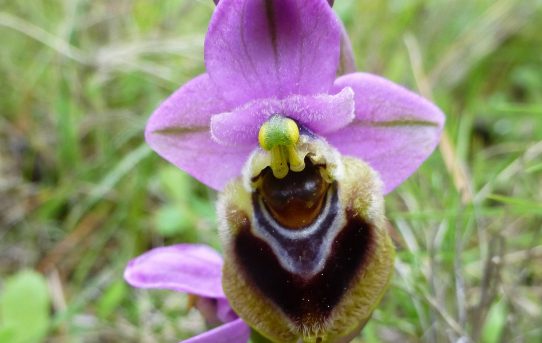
[
  {"x": 495, "y": 323},
  {"x": 82, "y": 193},
  {"x": 111, "y": 299},
  {"x": 24, "y": 308}
]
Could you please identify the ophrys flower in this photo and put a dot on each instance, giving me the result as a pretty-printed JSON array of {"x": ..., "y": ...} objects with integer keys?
[{"x": 306, "y": 158}]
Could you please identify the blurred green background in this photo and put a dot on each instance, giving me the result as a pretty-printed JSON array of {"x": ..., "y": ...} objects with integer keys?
[{"x": 81, "y": 193}]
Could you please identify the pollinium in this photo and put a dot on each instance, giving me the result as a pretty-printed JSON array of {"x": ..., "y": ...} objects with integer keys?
[{"x": 307, "y": 255}]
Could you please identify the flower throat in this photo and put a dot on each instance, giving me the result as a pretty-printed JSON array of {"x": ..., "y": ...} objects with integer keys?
[
  {"x": 296, "y": 200},
  {"x": 292, "y": 187}
]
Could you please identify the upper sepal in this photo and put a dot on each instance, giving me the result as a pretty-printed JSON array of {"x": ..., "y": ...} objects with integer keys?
[{"x": 272, "y": 48}]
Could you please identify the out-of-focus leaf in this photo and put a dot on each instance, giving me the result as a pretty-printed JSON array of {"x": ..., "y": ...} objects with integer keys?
[
  {"x": 176, "y": 184},
  {"x": 204, "y": 209},
  {"x": 172, "y": 220},
  {"x": 6, "y": 334},
  {"x": 517, "y": 204},
  {"x": 24, "y": 308},
  {"x": 495, "y": 321},
  {"x": 111, "y": 299},
  {"x": 369, "y": 333}
]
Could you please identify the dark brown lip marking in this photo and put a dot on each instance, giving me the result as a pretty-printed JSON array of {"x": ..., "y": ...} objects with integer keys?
[{"x": 304, "y": 301}]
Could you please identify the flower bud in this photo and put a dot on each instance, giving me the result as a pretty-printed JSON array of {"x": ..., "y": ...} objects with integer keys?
[{"x": 307, "y": 256}]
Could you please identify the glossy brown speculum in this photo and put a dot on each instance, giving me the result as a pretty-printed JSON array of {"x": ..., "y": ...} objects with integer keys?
[{"x": 294, "y": 201}]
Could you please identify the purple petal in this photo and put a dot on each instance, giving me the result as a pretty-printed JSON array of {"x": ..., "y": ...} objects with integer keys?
[
  {"x": 190, "y": 107},
  {"x": 207, "y": 307},
  {"x": 190, "y": 268},
  {"x": 233, "y": 332},
  {"x": 321, "y": 113},
  {"x": 197, "y": 154},
  {"x": 224, "y": 312},
  {"x": 215, "y": 310},
  {"x": 395, "y": 130},
  {"x": 179, "y": 132},
  {"x": 272, "y": 48}
]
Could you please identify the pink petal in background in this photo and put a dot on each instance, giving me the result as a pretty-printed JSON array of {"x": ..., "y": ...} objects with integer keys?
[{"x": 190, "y": 268}]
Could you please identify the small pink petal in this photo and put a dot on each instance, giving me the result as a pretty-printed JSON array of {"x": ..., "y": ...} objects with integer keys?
[
  {"x": 179, "y": 132},
  {"x": 272, "y": 48},
  {"x": 394, "y": 131},
  {"x": 233, "y": 332},
  {"x": 215, "y": 310},
  {"x": 190, "y": 268},
  {"x": 321, "y": 113},
  {"x": 224, "y": 312}
]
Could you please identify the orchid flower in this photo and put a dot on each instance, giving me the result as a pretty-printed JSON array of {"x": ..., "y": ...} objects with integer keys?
[
  {"x": 302, "y": 158},
  {"x": 195, "y": 269}
]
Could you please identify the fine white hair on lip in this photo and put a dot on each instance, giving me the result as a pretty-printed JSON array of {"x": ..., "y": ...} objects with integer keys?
[{"x": 248, "y": 173}]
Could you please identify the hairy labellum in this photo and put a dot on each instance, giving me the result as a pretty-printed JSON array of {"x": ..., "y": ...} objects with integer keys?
[{"x": 307, "y": 256}]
